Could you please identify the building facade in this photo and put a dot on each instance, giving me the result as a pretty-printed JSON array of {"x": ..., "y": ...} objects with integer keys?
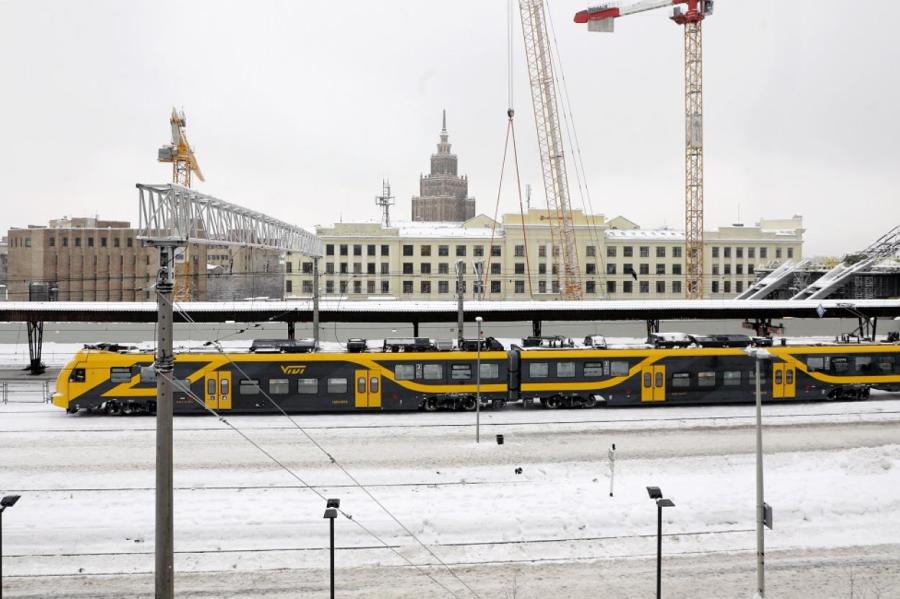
[
  {"x": 518, "y": 259},
  {"x": 443, "y": 194}
]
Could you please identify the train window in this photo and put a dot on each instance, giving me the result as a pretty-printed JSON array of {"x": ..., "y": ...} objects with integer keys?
[
  {"x": 840, "y": 365},
  {"x": 778, "y": 377},
  {"x": 211, "y": 386},
  {"x": 222, "y": 383},
  {"x": 565, "y": 370},
  {"x": 886, "y": 364},
  {"x": 681, "y": 379},
  {"x": 148, "y": 374},
  {"x": 789, "y": 377},
  {"x": 460, "y": 371},
  {"x": 308, "y": 386},
  {"x": 706, "y": 379},
  {"x": 539, "y": 370},
  {"x": 648, "y": 380},
  {"x": 433, "y": 372},
  {"x": 593, "y": 369},
  {"x": 863, "y": 363},
  {"x": 361, "y": 384},
  {"x": 814, "y": 363},
  {"x": 337, "y": 385},
  {"x": 373, "y": 384},
  {"x": 404, "y": 372},
  {"x": 119, "y": 374},
  {"x": 490, "y": 371},
  {"x": 249, "y": 387},
  {"x": 618, "y": 368},
  {"x": 77, "y": 375},
  {"x": 731, "y": 378},
  {"x": 279, "y": 386}
]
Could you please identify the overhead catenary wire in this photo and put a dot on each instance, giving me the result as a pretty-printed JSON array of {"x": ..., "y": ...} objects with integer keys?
[{"x": 338, "y": 465}]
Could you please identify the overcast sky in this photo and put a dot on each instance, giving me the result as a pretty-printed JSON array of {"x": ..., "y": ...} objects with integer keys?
[{"x": 299, "y": 109}]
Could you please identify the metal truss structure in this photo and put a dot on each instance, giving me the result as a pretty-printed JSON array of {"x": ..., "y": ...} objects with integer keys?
[
  {"x": 178, "y": 215},
  {"x": 693, "y": 156}
]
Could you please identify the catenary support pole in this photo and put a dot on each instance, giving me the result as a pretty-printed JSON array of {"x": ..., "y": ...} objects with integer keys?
[
  {"x": 332, "y": 556},
  {"x": 460, "y": 296},
  {"x": 315, "y": 322},
  {"x": 658, "y": 550},
  {"x": 478, "y": 384},
  {"x": 165, "y": 579},
  {"x": 760, "y": 550}
]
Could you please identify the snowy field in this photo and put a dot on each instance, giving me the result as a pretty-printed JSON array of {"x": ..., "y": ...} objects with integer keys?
[{"x": 246, "y": 527}]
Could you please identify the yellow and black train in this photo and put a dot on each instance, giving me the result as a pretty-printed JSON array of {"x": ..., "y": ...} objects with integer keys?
[{"x": 114, "y": 380}]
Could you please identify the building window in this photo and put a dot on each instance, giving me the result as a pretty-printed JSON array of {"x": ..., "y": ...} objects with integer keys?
[
  {"x": 407, "y": 250},
  {"x": 542, "y": 286},
  {"x": 738, "y": 252},
  {"x": 343, "y": 287},
  {"x": 715, "y": 251},
  {"x": 289, "y": 286},
  {"x": 676, "y": 286},
  {"x": 51, "y": 241},
  {"x": 443, "y": 268},
  {"x": 591, "y": 251},
  {"x": 750, "y": 269},
  {"x": 495, "y": 268},
  {"x": 443, "y": 250},
  {"x": 739, "y": 286},
  {"x": 715, "y": 287},
  {"x": 590, "y": 269},
  {"x": 370, "y": 249},
  {"x": 495, "y": 286},
  {"x": 610, "y": 251},
  {"x": 660, "y": 287},
  {"x": 385, "y": 250},
  {"x": 306, "y": 268},
  {"x": 727, "y": 286},
  {"x": 626, "y": 286},
  {"x": 344, "y": 268},
  {"x": 727, "y": 270},
  {"x": 343, "y": 249},
  {"x": 425, "y": 268},
  {"x": 715, "y": 269},
  {"x": 425, "y": 250},
  {"x": 610, "y": 287},
  {"x": 676, "y": 251},
  {"x": 727, "y": 252},
  {"x": 477, "y": 251},
  {"x": 370, "y": 268},
  {"x": 676, "y": 269},
  {"x": 495, "y": 250},
  {"x": 407, "y": 268},
  {"x": 645, "y": 251},
  {"x": 78, "y": 242},
  {"x": 90, "y": 242},
  {"x": 660, "y": 269},
  {"x": 645, "y": 286},
  {"x": 644, "y": 269},
  {"x": 407, "y": 287},
  {"x": 660, "y": 251},
  {"x": 130, "y": 242},
  {"x": 542, "y": 251},
  {"x": 307, "y": 286},
  {"x": 65, "y": 242},
  {"x": 610, "y": 268},
  {"x": 329, "y": 249},
  {"x": 425, "y": 287},
  {"x": 519, "y": 286},
  {"x": 790, "y": 252},
  {"x": 628, "y": 269},
  {"x": 443, "y": 287},
  {"x": 357, "y": 249},
  {"x": 329, "y": 286},
  {"x": 763, "y": 253},
  {"x": 357, "y": 287},
  {"x": 460, "y": 250},
  {"x": 542, "y": 268},
  {"x": 329, "y": 268},
  {"x": 519, "y": 251},
  {"x": 385, "y": 287},
  {"x": 738, "y": 269},
  {"x": 590, "y": 287},
  {"x": 385, "y": 268},
  {"x": 751, "y": 253},
  {"x": 628, "y": 251}
]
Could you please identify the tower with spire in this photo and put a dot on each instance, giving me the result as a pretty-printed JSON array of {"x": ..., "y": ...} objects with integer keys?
[{"x": 443, "y": 195}]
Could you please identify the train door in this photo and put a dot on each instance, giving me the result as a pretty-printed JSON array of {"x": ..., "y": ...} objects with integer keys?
[
  {"x": 217, "y": 391},
  {"x": 367, "y": 389},
  {"x": 653, "y": 383},
  {"x": 784, "y": 381}
]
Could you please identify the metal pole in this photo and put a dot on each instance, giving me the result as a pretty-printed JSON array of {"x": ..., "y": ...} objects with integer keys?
[
  {"x": 331, "y": 520},
  {"x": 459, "y": 301},
  {"x": 165, "y": 580},
  {"x": 760, "y": 551},
  {"x": 1, "y": 553},
  {"x": 478, "y": 385},
  {"x": 316, "y": 302},
  {"x": 658, "y": 550}
]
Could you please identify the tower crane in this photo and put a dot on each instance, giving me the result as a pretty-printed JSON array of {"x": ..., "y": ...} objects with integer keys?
[
  {"x": 553, "y": 163},
  {"x": 602, "y": 18},
  {"x": 184, "y": 165}
]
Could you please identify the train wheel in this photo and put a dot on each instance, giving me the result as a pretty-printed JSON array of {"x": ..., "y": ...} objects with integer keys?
[
  {"x": 113, "y": 408},
  {"x": 551, "y": 403},
  {"x": 588, "y": 402},
  {"x": 468, "y": 404},
  {"x": 430, "y": 405}
]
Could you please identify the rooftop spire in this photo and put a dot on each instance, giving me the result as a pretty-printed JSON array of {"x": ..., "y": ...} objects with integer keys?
[{"x": 444, "y": 124}]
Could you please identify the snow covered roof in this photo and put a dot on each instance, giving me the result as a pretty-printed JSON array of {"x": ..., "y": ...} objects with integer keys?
[
  {"x": 445, "y": 229},
  {"x": 645, "y": 234}
]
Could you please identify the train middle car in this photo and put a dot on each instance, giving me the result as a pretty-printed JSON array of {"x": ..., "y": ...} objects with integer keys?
[{"x": 124, "y": 381}]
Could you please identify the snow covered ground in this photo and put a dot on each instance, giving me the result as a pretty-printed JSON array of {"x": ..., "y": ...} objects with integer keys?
[{"x": 245, "y": 527}]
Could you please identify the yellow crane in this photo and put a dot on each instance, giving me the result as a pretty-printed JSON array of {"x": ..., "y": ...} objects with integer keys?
[{"x": 184, "y": 166}]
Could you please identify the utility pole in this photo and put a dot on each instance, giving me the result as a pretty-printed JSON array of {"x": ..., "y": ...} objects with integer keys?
[
  {"x": 315, "y": 302},
  {"x": 165, "y": 365},
  {"x": 460, "y": 296}
]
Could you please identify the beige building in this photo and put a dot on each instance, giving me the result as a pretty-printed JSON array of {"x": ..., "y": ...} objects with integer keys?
[{"x": 616, "y": 259}]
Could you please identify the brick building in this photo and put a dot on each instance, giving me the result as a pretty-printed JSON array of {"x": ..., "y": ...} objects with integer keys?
[{"x": 443, "y": 194}]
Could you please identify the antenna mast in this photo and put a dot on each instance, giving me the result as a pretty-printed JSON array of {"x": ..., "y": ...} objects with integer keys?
[{"x": 385, "y": 201}]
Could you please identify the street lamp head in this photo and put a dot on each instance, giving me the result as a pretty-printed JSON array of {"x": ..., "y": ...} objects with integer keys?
[
  {"x": 757, "y": 353},
  {"x": 334, "y": 502},
  {"x": 9, "y": 501},
  {"x": 654, "y": 492},
  {"x": 665, "y": 503},
  {"x": 478, "y": 319},
  {"x": 330, "y": 513}
]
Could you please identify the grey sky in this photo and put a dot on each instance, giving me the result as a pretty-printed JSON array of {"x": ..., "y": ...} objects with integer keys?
[{"x": 299, "y": 109}]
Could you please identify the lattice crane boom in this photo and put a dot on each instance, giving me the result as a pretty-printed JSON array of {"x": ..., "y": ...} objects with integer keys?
[
  {"x": 602, "y": 18},
  {"x": 553, "y": 163}
]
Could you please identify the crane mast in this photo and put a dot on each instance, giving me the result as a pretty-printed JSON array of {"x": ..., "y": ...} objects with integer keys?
[
  {"x": 553, "y": 163},
  {"x": 602, "y": 18}
]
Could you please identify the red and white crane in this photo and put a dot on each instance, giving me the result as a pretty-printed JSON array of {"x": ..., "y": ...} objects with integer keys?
[{"x": 602, "y": 18}]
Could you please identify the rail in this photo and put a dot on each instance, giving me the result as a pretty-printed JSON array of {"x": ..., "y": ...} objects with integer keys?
[{"x": 17, "y": 391}]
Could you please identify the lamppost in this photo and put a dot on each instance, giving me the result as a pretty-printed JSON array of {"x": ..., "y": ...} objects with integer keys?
[
  {"x": 763, "y": 512},
  {"x": 8, "y": 501},
  {"x": 331, "y": 512},
  {"x": 657, "y": 495},
  {"x": 478, "y": 320}
]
